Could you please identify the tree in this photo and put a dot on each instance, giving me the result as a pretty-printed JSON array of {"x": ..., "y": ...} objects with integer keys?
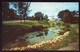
[
  {"x": 65, "y": 16},
  {"x": 12, "y": 15},
  {"x": 22, "y": 8},
  {"x": 39, "y": 16},
  {"x": 46, "y": 17},
  {"x": 7, "y": 13},
  {"x": 75, "y": 13},
  {"x": 5, "y": 8},
  {"x": 33, "y": 18},
  {"x": 26, "y": 10},
  {"x": 68, "y": 16},
  {"x": 75, "y": 16}
]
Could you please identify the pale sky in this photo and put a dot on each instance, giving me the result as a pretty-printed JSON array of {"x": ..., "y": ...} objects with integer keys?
[{"x": 52, "y": 8}]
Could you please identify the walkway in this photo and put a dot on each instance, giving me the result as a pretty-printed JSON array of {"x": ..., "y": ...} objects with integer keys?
[
  {"x": 13, "y": 21},
  {"x": 71, "y": 46}
]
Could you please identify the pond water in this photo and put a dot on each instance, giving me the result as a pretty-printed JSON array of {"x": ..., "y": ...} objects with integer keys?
[
  {"x": 39, "y": 36},
  {"x": 36, "y": 37}
]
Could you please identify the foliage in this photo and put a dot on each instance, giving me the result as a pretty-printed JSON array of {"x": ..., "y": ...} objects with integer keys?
[
  {"x": 72, "y": 37},
  {"x": 73, "y": 34},
  {"x": 21, "y": 8},
  {"x": 59, "y": 23},
  {"x": 8, "y": 14},
  {"x": 45, "y": 18},
  {"x": 39, "y": 16},
  {"x": 77, "y": 26},
  {"x": 65, "y": 15},
  {"x": 75, "y": 13},
  {"x": 52, "y": 23},
  {"x": 5, "y": 8},
  {"x": 67, "y": 27},
  {"x": 68, "y": 16}
]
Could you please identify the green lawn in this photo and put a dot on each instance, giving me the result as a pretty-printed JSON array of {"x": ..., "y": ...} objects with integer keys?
[
  {"x": 72, "y": 37},
  {"x": 14, "y": 29},
  {"x": 29, "y": 23}
]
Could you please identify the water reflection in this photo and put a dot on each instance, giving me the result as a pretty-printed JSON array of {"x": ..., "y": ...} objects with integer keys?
[
  {"x": 46, "y": 32},
  {"x": 35, "y": 37},
  {"x": 39, "y": 36}
]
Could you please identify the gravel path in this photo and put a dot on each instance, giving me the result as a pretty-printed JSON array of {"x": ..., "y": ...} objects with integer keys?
[
  {"x": 71, "y": 46},
  {"x": 13, "y": 21}
]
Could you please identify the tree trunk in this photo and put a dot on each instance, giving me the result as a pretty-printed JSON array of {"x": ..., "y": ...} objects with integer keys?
[
  {"x": 24, "y": 20},
  {"x": 21, "y": 20}
]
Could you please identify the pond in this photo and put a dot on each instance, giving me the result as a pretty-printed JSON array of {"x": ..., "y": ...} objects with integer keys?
[{"x": 35, "y": 37}]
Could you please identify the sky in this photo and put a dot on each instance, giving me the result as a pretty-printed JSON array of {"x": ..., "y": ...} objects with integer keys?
[{"x": 52, "y": 8}]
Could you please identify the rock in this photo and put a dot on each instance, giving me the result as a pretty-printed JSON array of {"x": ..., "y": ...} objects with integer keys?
[
  {"x": 16, "y": 48},
  {"x": 42, "y": 43}
]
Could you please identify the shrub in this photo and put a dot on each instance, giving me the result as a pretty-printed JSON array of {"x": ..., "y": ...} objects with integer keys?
[
  {"x": 73, "y": 34},
  {"x": 72, "y": 37},
  {"x": 59, "y": 23},
  {"x": 37, "y": 27},
  {"x": 67, "y": 27},
  {"x": 76, "y": 25},
  {"x": 52, "y": 24}
]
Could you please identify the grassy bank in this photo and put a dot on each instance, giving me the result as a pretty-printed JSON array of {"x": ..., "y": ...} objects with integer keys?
[
  {"x": 29, "y": 23},
  {"x": 19, "y": 27},
  {"x": 72, "y": 36},
  {"x": 44, "y": 45},
  {"x": 27, "y": 26},
  {"x": 12, "y": 30}
]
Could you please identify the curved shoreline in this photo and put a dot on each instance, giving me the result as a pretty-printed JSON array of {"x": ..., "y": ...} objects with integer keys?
[{"x": 40, "y": 44}]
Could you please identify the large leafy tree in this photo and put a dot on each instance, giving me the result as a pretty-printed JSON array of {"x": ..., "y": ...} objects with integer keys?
[
  {"x": 7, "y": 13},
  {"x": 39, "y": 16},
  {"x": 65, "y": 16},
  {"x": 22, "y": 8},
  {"x": 68, "y": 16},
  {"x": 26, "y": 10},
  {"x": 46, "y": 17},
  {"x": 12, "y": 15},
  {"x": 5, "y": 10},
  {"x": 75, "y": 13}
]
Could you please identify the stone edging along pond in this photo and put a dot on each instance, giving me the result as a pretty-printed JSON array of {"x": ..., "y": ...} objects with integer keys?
[{"x": 59, "y": 38}]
